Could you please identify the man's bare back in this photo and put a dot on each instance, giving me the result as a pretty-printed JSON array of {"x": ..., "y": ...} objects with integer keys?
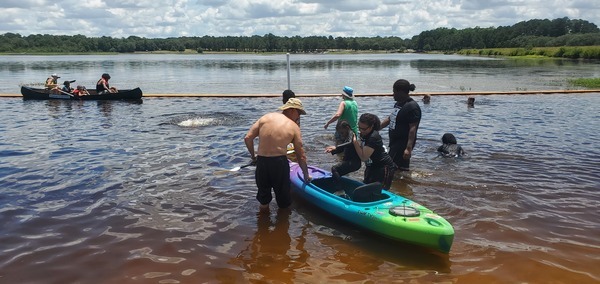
[{"x": 275, "y": 131}]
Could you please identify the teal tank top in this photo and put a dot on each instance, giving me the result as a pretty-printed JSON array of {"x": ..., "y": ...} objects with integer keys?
[{"x": 350, "y": 114}]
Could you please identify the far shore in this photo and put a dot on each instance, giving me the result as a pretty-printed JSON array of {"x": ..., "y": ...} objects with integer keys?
[{"x": 557, "y": 52}]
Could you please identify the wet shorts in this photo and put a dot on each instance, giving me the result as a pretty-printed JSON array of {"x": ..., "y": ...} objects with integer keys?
[
  {"x": 397, "y": 154},
  {"x": 273, "y": 173}
]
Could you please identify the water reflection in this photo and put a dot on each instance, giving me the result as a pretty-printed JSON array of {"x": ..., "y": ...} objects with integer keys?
[
  {"x": 210, "y": 73},
  {"x": 350, "y": 254},
  {"x": 270, "y": 255}
]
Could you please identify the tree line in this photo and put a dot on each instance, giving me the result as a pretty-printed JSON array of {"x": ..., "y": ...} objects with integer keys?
[{"x": 526, "y": 34}]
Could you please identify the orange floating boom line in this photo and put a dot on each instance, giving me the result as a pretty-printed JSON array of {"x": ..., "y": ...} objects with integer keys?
[{"x": 457, "y": 93}]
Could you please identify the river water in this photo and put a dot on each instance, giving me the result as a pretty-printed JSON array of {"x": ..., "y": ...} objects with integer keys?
[
  {"x": 130, "y": 192},
  {"x": 322, "y": 73}
]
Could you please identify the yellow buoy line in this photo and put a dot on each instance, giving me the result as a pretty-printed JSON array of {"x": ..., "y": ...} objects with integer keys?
[{"x": 457, "y": 93}]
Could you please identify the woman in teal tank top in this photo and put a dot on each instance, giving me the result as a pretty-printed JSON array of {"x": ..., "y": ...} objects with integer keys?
[{"x": 348, "y": 111}]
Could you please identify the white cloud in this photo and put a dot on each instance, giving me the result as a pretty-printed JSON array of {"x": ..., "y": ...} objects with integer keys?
[{"x": 173, "y": 18}]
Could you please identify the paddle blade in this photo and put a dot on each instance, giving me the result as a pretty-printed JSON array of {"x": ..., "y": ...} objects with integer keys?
[{"x": 236, "y": 169}]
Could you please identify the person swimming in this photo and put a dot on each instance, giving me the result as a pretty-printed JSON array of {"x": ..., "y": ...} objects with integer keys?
[{"x": 450, "y": 148}]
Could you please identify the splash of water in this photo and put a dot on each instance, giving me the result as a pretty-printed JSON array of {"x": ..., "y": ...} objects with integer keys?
[{"x": 196, "y": 122}]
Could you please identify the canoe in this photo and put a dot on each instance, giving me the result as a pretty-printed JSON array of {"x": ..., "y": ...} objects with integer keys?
[
  {"x": 374, "y": 209},
  {"x": 30, "y": 93}
]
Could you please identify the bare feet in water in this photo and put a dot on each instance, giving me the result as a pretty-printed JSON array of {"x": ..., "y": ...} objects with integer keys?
[{"x": 264, "y": 208}]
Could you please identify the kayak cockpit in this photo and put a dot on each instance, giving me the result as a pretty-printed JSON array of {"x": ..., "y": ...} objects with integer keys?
[{"x": 351, "y": 189}]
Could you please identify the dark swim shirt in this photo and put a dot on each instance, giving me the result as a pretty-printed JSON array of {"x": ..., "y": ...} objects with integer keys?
[{"x": 404, "y": 113}]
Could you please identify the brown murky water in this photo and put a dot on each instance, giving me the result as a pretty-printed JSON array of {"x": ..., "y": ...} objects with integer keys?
[{"x": 115, "y": 192}]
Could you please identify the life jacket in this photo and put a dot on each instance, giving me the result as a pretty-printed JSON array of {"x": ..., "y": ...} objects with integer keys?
[
  {"x": 100, "y": 85},
  {"x": 51, "y": 82}
]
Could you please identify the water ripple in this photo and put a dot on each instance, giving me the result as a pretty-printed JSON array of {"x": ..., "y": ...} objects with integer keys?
[{"x": 128, "y": 186}]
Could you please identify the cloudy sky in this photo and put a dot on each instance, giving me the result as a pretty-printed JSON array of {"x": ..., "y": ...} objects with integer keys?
[{"x": 347, "y": 18}]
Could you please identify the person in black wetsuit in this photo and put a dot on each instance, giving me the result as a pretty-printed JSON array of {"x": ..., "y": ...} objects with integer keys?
[
  {"x": 379, "y": 165},
  {"x": 350, "y": 160},
  {"x": 450, "y": 148}
]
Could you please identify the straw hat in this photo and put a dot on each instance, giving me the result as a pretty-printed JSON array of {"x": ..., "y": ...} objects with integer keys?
[{"x": 293, "y": 103}]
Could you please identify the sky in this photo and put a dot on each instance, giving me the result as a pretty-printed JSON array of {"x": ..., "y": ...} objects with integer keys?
[{"x": 337, "y": 18}]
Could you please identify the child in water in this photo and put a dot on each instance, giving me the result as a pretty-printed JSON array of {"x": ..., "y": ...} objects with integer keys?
[
  {"x": 350, "y": 162},
  {"x": 450, "y": 148}
]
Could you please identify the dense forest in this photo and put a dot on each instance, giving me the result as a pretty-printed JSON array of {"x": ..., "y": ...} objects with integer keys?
[{"x": 526, "y": 34}]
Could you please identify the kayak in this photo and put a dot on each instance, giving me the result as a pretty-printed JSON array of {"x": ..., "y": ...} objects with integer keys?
[
  {"x": 30, "y": 93},
  {"x": 370, "y": 207}
]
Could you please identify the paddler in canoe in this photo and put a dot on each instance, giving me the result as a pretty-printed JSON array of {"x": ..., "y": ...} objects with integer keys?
[
  {"x": 275, "y": 131},
  {"x": 51, "y": 83},
  {"x": 102, "y": 86}
]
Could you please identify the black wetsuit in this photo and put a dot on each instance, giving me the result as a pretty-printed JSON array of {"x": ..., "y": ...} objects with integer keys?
[
  {"x": 451, "y": 150},
  {"x": 350, "y": 163},
  {"x": 380, "y": 167}
]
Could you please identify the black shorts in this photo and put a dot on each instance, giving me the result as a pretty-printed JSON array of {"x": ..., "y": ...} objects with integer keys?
[
  {"x": 273, "y": 173},
  {"x": 382, "y": 174},
  {"x": 397, "y": 154}
]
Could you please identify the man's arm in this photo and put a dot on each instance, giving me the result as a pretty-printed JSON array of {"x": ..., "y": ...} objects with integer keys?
[
  {"x": 300, "y": 155},
  {"x": 337, "y": 114},
  {"x": 249, "y": 139},
  {"x": 412, "y": 135}
]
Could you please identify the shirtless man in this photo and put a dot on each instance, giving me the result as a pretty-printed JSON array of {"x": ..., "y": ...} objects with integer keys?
[{"x": 275, "y": 131}]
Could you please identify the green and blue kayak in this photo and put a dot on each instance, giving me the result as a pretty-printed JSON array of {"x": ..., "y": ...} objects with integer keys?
[{"x": 370, "y": 207}]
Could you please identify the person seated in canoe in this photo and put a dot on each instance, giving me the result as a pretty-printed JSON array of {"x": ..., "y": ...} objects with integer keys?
[
  {"x": 103, "y": 87},
  {"x": 67, "y": 87},
  {"x": 52, "y": 83},
  {"x": 80, "y": 91},
  {"x": 450, "y": 148},
  {"x": 350, "y": 160},
  {"x": 379, "y": 165}
]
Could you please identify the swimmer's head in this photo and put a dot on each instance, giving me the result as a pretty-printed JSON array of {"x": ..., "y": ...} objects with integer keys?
[{"x": 448, "y": 138}]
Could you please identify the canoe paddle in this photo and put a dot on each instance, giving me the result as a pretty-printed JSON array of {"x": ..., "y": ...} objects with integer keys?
[
  {"x": 221, "y": 172},
  {"x": 236, "y": 169},
  {"x": 240, "y": 167},
  {"x": 66, "y": 93}
]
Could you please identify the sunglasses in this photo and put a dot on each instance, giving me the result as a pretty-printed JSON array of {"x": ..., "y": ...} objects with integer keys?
[{"x": 363, "y": 128}]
